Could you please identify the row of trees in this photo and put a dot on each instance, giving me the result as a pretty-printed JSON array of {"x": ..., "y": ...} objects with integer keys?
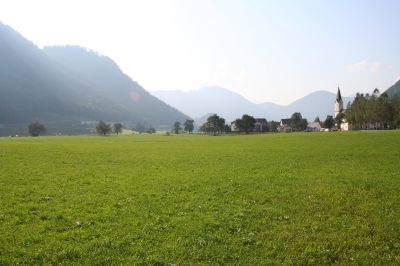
[
  {"x": 188, "y": 126},
  {"x": 142, "y": 128},
  {"x": 35, "y": 129},
  {"x": 373, "y": 111},
  {"x": 103, "y": 128},
  {"x": 216, "y": 124}
]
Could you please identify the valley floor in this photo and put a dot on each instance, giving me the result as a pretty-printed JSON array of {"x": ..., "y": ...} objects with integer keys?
[{"x": 299, "y": 198}]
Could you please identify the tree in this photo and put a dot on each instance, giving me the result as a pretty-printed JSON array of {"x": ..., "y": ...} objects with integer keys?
[
  {"x": 329, "y": 122},
  {"x": 246, "y": 123},
  {"x": 213, "y": 125},
  {"x": 140, "y": 127},
  {"x": 396, "y": 115},
  {"x": 103, "y": 128},
  {"x": 177, "y": 127},
  {"x": 217, "y": 124},
  {"x": 117, "y": 128},
  {"x": 273, "y": 126},
  {"x": 317, "y": 120},
  {"x": 339, "y": 120},
  {"x": 298, "y": 123},
  {"x": 205, "y": 127},
  {"x": 372, "y": 111},
  {"x": 35, "y": 129},
  {"x": 151, "y": 130},
  {"x": 189, "y": 125}
]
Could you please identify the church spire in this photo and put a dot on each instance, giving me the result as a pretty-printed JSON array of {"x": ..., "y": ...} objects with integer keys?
[{"x": 338, "y": 95}]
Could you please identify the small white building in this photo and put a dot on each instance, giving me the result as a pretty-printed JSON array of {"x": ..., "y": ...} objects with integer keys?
[
  {"x": 344, "y": 126},
  {"x": 313, "y": 127},
  {"x": 234, "y": 127},
  {"x": 285, "y": 125}
]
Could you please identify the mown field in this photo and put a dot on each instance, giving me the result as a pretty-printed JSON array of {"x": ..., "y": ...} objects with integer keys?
[{"x": 306, "y": 198}]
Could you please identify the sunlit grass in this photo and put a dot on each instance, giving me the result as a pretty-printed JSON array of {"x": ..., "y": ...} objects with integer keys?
[{"x": 316, "y": 198}]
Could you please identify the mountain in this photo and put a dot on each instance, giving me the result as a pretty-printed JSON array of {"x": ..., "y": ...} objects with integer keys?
[
  {"x": 318, "y": 103},
  {"x": 208, "y": 100},
  {"x": 394, "y": 91},
  {"x": 70, "y": 84},
  {"x": 231, "y": 105},
  {"x": 106, "y": 79}
]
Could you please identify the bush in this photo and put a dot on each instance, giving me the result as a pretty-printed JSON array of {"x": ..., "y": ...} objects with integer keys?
[{"x": 35, "y": 129}]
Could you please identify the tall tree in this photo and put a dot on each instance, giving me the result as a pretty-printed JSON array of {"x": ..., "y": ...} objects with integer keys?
[
  {"x": 117, "y": 128},
  {"x": 273, "y": 126},
  {"x": 298, "y": 123},
  {"x": 227, "y": 129},
  {"x": 189, "y": 125},
  {"x": 35, "y": 129},
  {"x": 103, "y": 128},
  {"x": 339, "y": 120},
  {"x": 329, "y": 122},
  {"x": 177, "y": 127},
  {"x": 396, "y": 114},
  {"x": 213, "y": 125},
  {"x": 246, "y": 123}
]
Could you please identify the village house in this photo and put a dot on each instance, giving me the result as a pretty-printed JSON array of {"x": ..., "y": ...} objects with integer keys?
[
  {"x": 234, "y": 128},
  {"x": 313, "y": 127},
  {"x": 285, "y": 125}
]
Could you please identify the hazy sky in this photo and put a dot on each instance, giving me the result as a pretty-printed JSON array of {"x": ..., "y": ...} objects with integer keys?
[{"x": 265, "y": 50}]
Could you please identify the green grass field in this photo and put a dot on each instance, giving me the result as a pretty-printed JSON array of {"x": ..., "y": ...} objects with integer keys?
[{"x": 316, "y": 198}]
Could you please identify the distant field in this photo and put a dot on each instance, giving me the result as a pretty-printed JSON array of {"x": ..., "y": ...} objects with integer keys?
[{"x": 316, "y": 198}]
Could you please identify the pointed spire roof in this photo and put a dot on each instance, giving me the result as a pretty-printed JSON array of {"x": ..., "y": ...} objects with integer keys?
[{"x": 338, "y": 95}]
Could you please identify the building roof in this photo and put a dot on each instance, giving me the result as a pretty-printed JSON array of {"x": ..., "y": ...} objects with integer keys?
[
  {"x": 338, "y": 95},
  {"x": 286, "y": 121},
  {"x": 261, "y": 120},
  {"x": 314, "y": 125}
]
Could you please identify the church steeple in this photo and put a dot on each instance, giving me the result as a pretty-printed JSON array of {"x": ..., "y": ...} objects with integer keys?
[
  {"x": 338, "y": 103},
  {"x": 338, "y": 95}
]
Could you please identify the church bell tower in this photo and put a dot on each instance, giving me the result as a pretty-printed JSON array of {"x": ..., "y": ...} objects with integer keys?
[{"x": 338, "y": 103}]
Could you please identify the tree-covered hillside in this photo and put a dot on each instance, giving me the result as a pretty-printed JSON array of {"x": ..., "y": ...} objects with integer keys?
[
  {"x": 104, "y": 76},
  {"x": 70, "y": 84}
]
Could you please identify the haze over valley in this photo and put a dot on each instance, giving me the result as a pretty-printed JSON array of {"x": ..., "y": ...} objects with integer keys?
[
  {"x": 231, "y": 105},
  {"x": 70, "y": 86}
]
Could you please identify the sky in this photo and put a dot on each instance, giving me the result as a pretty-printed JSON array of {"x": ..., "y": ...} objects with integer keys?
[{"x": 265, "y": 50}]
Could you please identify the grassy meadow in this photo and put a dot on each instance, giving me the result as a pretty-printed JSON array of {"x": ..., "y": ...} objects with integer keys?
[{"x": 295, "y": 199}]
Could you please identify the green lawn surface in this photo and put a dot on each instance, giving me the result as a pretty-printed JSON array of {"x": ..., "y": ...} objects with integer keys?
[{"x": 289, "y": 198}]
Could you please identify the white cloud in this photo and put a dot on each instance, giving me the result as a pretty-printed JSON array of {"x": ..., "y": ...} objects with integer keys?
[{"x": 364, "y": 65}]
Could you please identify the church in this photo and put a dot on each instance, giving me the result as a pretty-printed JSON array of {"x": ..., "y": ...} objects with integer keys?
[{"x": 344, "y": 126}]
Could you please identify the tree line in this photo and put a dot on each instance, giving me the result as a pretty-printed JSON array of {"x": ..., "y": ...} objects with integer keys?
[
  {"x": 216, "y": 125},
  {"x": 373, "y": 111}
]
